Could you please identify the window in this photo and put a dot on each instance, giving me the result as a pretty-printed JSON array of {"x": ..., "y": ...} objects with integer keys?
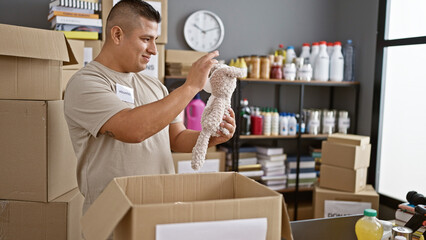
[{"x": 400, "y": 99}]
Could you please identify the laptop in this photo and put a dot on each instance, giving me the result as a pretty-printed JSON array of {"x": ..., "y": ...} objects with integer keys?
[{"x": 336, "y": 228}]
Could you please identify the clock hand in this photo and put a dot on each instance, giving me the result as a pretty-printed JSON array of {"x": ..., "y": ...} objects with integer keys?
[
  {"x": 196, "y": 26},
  {"x": 211, "y": 29}
]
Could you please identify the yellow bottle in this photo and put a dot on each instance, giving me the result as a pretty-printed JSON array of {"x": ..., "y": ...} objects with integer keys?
[{"x": 368, "y": 227}]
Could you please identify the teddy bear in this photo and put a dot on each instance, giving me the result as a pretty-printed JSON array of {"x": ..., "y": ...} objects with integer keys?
[{"x": 221, "y": 85}]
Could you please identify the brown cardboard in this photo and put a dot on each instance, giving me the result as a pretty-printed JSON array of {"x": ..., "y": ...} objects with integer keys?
[
  {"x": 210, "y": 155},
  {"x": 31, "y": 63},
  {"x": 304, "y": 211},
  {"x": 349, "y": 139},
  {"x": 183, "y": 56},
  {"x": 57, "y": 220},
  {"x": 38, "y": 162},
  {"x": 96, "y": 46},
  {"x": 132, "y": 206},
  {"x": 322, "y": 194},
  {"x": 108, "y": 4},
  {"x": 343, "y": 179},
  {"x": 161, "y": 64},
  {"x": 77, "y": 47},
  {"x": 346, "y": 155}
]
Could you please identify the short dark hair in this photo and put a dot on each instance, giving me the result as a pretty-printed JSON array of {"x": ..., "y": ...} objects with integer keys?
[{"x": 131, "y": 9}]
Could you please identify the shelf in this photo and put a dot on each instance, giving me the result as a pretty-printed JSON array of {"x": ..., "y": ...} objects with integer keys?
[
  {"x": 300, "y": 82},
  {"x": 304, "y": 136}
]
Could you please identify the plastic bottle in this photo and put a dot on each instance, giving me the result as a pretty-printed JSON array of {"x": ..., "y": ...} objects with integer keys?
[
  {"x": 290, "y": 55},
  {"x": 275, "y": 122},
  {"x": 292, "y": 125},
  {"x": 245, "y": 117},
  {"x": 256, "y": 122},
  {"x": 314, "y": 54},
  {"x": 305, "y": 51},
  {"x": 267, "y": 118},
  {"x": 283, "y": 124},
  {"x": 336, "y": 63},
  {"x": 276, "y": 72},
  {"x": 280, "y": 53},
  {"x": 330, "y": 48},
  {"x": 369, "y": 227},
  {"x": 349, "y": 60},
  {"x": 322, "y": 64},
  {"x": 243, "y": 66},
  {"x": 194, "y": 110}
]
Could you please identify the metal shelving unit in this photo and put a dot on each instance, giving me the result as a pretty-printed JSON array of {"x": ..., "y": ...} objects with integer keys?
[{"x": 237, "y": 139}]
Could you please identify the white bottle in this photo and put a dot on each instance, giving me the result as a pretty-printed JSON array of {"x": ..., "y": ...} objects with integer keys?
[
  {"x": 322, "y": 64},
  {"x": 292, "y": 125},
  {"x": 283, "y": 124},
  {"x": 314, "y": 54},
  {"x": 330, "y": 48},
  {"x": 305, "y": 52},
  {"x": 336, "y": 63},
  {"x": 267, "y": 123},
  {"x": 275, "y": 122},
  {"x": 290, "y": 54}
]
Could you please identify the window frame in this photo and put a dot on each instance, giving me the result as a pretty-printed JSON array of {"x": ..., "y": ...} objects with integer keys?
[{"x": 381, "y": 44}]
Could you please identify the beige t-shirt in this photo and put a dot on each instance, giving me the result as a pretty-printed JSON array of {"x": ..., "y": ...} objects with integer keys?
[{"x": 91, "y": 98}]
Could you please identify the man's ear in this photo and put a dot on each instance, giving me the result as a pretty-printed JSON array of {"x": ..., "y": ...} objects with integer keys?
[{"x": 116, "y": 35}]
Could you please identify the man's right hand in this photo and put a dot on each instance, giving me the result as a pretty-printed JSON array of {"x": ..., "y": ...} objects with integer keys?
[{"x": 200, "y": 70}]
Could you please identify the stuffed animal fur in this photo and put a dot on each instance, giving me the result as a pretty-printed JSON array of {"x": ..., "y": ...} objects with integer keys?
[{"x": 222, "y": 83}]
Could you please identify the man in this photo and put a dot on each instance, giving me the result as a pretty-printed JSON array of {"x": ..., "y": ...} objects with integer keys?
[{"x": 124, "y": 123}]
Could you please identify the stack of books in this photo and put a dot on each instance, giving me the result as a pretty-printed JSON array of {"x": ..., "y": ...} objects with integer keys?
[
  {"x": 177, "y": 69},
  {"x": 247, "y": 161},
  {"x": 403, "y": 214},
  {"x": 272, "y": 161},
  {"x": 307, "y": 173},
  {"x": 76, "y": 19}
]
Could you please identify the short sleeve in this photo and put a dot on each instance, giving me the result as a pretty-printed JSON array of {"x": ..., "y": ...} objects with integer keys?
[{"x": 90, "y": 101}]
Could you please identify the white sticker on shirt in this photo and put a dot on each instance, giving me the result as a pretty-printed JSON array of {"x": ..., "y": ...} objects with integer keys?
[{"x": 125, "y": 93}]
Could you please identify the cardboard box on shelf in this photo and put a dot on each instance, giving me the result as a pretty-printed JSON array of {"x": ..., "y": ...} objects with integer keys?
[
  {"x": 346, "y": 155},
  {"x": 159, "y": 5},
  {"x": 349, "y": 139},
  {"x": 344, "y": 179},
  {"x": 38, "y": 161},
  {"x": 95, "y": 45},
  {"x": 57, "y": 220},
  {"x": 31, "y": 63},
  {"x": 77, "y": 47},
  {"x": 132, "y": 207},
  {"x": 368, "y": 195},
  {"x": 215, "y": 162}
]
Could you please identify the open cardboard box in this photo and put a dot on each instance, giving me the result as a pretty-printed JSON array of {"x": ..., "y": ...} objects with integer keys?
[
  {"x": 31, "y": 63},
  {"x": 131, "y": 207}
]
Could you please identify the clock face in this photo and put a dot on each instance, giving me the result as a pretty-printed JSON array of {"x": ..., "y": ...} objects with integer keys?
[{"x": 204, "y": 31}]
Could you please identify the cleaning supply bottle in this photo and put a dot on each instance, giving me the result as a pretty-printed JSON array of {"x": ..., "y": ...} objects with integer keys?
[
  {"x": 322, "y": 64},
  {"x": 275, "y": 122},
  {"x": 336, "y": 63},
  {"x": 349, "y": 56},
  {"x": 267, "y": 118},
  {"x": 292, "y": 125},
  {"x": 369, "y": 227},
  {"x": 314, "y": 54},
  {"x": 280, "y": 53},
  {"x": 290, "y": 54},
  {"x": 194, "y": 110},
  {"x": 245, "y": 117},
  {"x": 305, "y": 51},
  {"x": 283, "y": 124}
]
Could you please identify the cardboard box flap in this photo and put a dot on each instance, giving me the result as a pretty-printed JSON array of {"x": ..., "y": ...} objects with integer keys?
[
  {"x": 349, "y": 139},
  {"x": 105, "y": 213},
  {"x": 35, "y": 43},
  {"x": 286, "y": 232}
]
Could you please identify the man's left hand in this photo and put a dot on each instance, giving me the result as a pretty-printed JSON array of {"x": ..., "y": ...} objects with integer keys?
[{"x": 228, "y": 123}]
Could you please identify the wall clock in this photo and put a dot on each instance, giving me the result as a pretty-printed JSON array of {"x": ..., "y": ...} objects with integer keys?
[{"x": 203, "y": 31}]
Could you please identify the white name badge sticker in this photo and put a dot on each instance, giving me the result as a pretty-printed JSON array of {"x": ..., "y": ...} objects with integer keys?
[{"x": 124, "y": 93}]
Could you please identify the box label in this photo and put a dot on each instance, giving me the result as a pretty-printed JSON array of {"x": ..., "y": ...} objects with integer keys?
[
  {"x": 210, "y": 165},
  {"x": 241, "y": 229},
  {"x": 343, "y": 208}
]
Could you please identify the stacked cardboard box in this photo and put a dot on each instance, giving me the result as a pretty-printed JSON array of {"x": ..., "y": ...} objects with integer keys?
[
  {"x": 345, "y": 160},
  {"x": 178, "y": 62},
  {"x": 39, "y": 199}
]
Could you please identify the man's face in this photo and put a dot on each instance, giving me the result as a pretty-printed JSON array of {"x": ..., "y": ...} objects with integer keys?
[{"x": 138, "y": 45}]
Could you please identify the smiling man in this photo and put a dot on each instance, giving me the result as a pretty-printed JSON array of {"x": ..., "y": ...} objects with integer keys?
[{"x": 123, "y": 122}]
